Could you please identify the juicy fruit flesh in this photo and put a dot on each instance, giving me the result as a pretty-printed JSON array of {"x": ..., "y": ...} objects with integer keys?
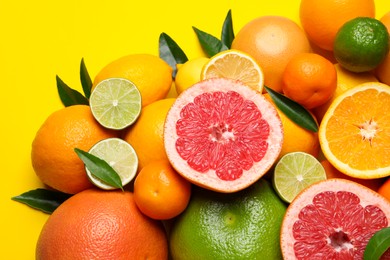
[
  {"x": 332, "y": 219},
  {"x": 225, "y": 133},
  {"x": 336, "y": 226},
  {"x": 222, "y": 135},
  {"x": 364, "y": 139},
  {"x": 116, "y": 103}
]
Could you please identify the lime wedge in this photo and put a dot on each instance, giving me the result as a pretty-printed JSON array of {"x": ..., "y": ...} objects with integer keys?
[
  {"x": 294, "y": 172},
  {"x": 120, "y": 155},
  {"x": 115, "y": 103}
]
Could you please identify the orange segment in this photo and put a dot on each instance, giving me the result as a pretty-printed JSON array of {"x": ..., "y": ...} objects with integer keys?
[{"x": 355, "y": 132}]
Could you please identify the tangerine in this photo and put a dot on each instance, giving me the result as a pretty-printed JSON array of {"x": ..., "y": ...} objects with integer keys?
[
  {"x": 160, "y": 192},
  {"x": 309, "y": 79}
]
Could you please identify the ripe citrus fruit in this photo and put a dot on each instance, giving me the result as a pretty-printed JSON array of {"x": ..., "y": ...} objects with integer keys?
[
  {"x": 242, "y": 225},
  {"x": 189, "y": 73},
  {"x": 146, "y": 135},
  {"x": 97, "y": 224},
  {"x": 115, "y": 103},
  {"x": 321, "y": 19},
  {"x": 151, "y": 75},
  {"x": 120, "y": 155},
  {"x": 355, "y": 132},
  {"x": 52, "y": 153},
  {"x": 332, "y": 219},
  {"x": 295, "y": 137},
  {"x": 160, "y": 192},
  {"x": 222, "y": 135},
  {"x": 345, "y": 80},
  {"x": 295, "y": 172},
  {"x": 384, "y": 189},
  {"x": 382, "y": 71},
  {"x": 236, "y": 65},
  {"x": 309, "y": 79},
  {"x": 332, "y": 172},
  {"x": 271, "y": 41},
  {"x": 361, "y": 44}
]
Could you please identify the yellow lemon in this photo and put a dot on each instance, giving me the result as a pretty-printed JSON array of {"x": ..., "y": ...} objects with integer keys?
[
  {"x": 151, "y": 75},
  {"x": 189, "y": 73}
]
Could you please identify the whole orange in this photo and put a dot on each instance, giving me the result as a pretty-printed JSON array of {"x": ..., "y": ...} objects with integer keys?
[
  {"x": 321, "y": 19},
  {"x": 160, "y": 192},
  {"x": 52, "y": 154},
  {"x": 384, "y": 189},
  {"x": 382, "y": 72},
  {"x": 272, "y": 41},
  {"x": 146, "y": 135},
  {"x": 332, "y": 172},
  {"x": 309, "y": 79},
  {"x": 97, "y": 224},
  {"x": 295, "y": 137}
]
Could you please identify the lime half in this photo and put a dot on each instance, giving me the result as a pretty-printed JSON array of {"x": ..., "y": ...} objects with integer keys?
[
  {"x": 294, "y": 172},
  {"x": 115, "y": 103},
  {"x": 120, "y": 155}
]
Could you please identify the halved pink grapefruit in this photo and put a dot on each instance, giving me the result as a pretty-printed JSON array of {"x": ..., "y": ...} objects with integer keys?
[
  {"x": 332, "y": 219},
  {"x": 222, "y": 135}
]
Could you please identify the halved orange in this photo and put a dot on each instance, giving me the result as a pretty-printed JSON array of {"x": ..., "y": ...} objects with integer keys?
[
  {"x": 237, "y": 65},
  {"x": 355, "y": 131}
]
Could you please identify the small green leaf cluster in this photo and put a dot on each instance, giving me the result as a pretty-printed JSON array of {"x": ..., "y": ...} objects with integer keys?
[{"x": 171, "y": 52}]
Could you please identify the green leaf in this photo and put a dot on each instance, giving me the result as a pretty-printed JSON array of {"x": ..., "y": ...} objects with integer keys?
[
  {"x": 44, "y": 200},
  {"x": 293, "y": 110},
  {"x": 85, "y": 79},
  {"x": 100, "y": 169},
  {"x": 68, "y": 96},
  {"x": 377, "y": 245},
  {"x": 227, "y": 35},
  {"x": 170, "y": 52},
  {"x": 210, "y": 44}
]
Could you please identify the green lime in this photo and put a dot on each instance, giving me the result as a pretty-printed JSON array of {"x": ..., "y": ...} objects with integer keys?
[
  {"x": 115, "y": 103},
  {"x": 294, "y": 172},
  {"x": 240, "y": 225},
  {"x": 120, "y": 155},
  {"x": 361, "y": 44}
]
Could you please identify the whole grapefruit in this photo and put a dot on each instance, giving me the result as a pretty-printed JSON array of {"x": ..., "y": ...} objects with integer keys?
[
  {"x": 242, "y": 225},
  {"x": 97, "y": 224}
]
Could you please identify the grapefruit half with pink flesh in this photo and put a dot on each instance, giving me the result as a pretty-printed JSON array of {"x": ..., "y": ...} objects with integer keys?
[
  {"x": 332, "y": 219},
  {"x": 222, "y": 135}
]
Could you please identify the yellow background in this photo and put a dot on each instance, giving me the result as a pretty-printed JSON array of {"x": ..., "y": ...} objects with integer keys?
[{"x": 41, "y": 39}]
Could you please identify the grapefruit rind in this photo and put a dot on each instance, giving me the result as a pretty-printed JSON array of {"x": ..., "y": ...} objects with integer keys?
[
  {"x": 209, "y": 179},
  {"x": 367, "y": 197},
  {"x": 372, "y": 171}
]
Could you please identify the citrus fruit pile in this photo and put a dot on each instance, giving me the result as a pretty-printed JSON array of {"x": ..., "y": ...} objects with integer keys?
[{"x": 274, "y": 145}]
